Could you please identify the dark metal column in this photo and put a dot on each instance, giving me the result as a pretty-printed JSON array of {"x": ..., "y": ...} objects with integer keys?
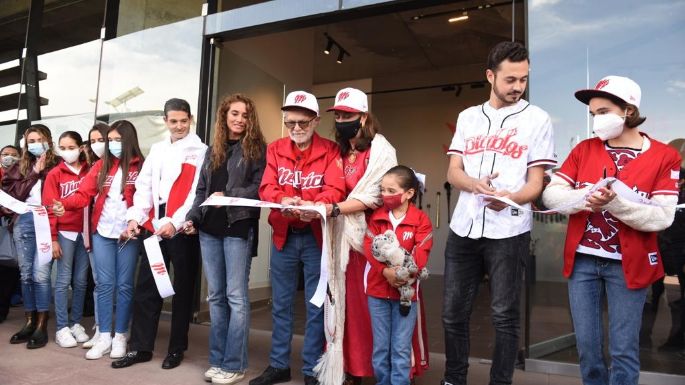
[
  {"x": 111, "y": 19},
  {"x": 205, "y": 108},
  {"x": 30, "y": 97}
]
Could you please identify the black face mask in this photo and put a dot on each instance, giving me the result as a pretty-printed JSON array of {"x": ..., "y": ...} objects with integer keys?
[{"x": 348, "y": 130}]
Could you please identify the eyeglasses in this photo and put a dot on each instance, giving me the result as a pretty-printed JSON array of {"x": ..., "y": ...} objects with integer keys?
[{"x": 302, "y": 123}]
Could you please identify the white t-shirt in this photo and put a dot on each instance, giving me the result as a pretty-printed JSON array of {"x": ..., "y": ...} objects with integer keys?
[
  {"x": 35, "y": 197},
  {"x": 508, "y": 140},
  {"x": 395, "y": 221},
  {"x": 113, "y": 218}
]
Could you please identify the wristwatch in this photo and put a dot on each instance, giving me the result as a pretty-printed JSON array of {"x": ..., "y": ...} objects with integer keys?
[{"x": 335, "y": 211}]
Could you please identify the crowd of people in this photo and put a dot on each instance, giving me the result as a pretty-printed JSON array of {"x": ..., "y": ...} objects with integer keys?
[{"x": 104, "y": 197}]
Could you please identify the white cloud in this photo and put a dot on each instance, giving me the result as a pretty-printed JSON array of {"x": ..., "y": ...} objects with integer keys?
[
  {"x": 534, "y": 4},
  {"x": 554, "y": 26},
  {"x": 676, "y": 84}
]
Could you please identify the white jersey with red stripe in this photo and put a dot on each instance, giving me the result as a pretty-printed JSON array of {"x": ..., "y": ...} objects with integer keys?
[{"x": 508, "y": 141}]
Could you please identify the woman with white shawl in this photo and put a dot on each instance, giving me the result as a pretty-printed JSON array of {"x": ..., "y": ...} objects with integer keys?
[{"x": 366, "y": 155}]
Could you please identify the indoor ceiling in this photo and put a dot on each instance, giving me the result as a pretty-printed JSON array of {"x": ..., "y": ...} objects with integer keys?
[{"x": 414, "y": 41}]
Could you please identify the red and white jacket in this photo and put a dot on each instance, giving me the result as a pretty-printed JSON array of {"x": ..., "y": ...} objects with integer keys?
[
  {"x": 414, "y": 234},
  {"x": 319, "y": 179},
  {"x": 653, "y": 173},
  {"x": 60, "y": 183},
  {"x": 169, "y": 175},
  {"x": 89, "y": 189}
]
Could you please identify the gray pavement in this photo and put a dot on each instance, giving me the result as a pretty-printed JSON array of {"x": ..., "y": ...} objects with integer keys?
[{"x": 55, "y": 365}]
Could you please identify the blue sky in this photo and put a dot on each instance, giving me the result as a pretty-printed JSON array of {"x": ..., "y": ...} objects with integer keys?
[{"x": 642, "y": 40}]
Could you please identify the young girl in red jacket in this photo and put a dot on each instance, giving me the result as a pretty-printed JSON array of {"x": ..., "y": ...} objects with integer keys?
[
  {"x": 111, "y": 181},
  {"x": 68, "y": 247},
  {"x": 611, "y": 252},
  {"x": 393, "y": 330}
]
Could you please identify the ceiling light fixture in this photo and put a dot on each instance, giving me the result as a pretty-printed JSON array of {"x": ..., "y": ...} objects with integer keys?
[
  {"x": 449, "y": 13},
  {"x": 341, "y": 55},
  {"x": 463, "y": 17},
  {"x": 329, "y": 45}
]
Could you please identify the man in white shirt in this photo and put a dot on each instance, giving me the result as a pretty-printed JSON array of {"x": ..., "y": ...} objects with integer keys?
[
  {"x": 165, "y": 190},
  {"x": 500, "y": 148}
]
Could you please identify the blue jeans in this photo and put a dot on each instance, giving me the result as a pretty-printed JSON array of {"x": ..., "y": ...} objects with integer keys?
[
  {"x": 466, "y": 261},
  {"x": 301, "y": 247},
  {"x": 392, "y": 337},
  {"x": 226, "y": 262},
  {"x": 74, "y": 258},
  {"x": 95, "y": 280},
  {"x": 115, "y": 269},
  {"x": 592, "y": 279},
  {"x": 35, "y": 280}
]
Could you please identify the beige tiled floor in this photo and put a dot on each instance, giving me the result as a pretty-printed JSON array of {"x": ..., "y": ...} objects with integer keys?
[{"x": 54, "y": 365}]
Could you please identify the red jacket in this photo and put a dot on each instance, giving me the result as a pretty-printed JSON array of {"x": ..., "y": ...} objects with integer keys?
[
  {"x": 60, "y": 183},
  {"x": 89, "y": 188},
  {"x": 653, "y": 172},
  {"x": 319, "y": 179},
  {"x": 415, "y": 235}
]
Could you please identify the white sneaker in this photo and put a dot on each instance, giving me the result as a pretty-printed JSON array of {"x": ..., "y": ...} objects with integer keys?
[
  {"x": 91, "y": 342},
  {"x": 64, "y": 339},
  {"x": 224, "y": 377},
  {"x": 211, "y": 372},
  {"x": 79, "y": 333},
  {"x": 118, "y": 346},
  {"x": 101, "y": 347}
]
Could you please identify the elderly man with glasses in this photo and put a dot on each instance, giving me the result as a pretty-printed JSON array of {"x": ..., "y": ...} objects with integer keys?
[{"x": 301, "y": 169}]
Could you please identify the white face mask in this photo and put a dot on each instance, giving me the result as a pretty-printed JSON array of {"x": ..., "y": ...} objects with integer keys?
[
  {"x": 98, "y": 148},
  {"x": 8, "y": 160},
  {"x": 608, "y": 126},
  {"x": 70, "y": 156}
]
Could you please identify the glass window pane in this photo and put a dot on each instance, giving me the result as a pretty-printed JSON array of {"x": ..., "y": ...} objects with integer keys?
[
  {"x": 137, "y": 15},
  {"x": 573, "y": 45},
  {"x": 142, "y": 70}
]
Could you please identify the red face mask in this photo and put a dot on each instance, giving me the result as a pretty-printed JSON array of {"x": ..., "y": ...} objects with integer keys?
[{"x": 391, "y": 202}]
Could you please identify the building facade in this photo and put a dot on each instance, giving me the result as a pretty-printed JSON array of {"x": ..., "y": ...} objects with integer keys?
[{"x": 69, "y": 63}]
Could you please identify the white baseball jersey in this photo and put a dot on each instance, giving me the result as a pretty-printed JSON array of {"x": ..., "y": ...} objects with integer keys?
[{"x": 508, "y": 140}]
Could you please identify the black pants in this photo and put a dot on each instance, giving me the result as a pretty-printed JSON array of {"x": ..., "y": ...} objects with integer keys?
[
  {"x": 9, "y": 276},
  {"x": 466, "y": 261},
  {"x": 183, "y": 251}
]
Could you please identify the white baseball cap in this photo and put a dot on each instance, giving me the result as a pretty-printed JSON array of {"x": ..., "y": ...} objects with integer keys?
[
  {"x": 350, "y": 100},
  {"x": 301, "y": 99},
  {"x": 613, "y": 86}
]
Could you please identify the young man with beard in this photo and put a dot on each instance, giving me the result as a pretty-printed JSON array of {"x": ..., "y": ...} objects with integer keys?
[
  {"x": 165, "y": 190},
  {"x": 500, "y": 148},
  {"x": 301, "y": 169}
]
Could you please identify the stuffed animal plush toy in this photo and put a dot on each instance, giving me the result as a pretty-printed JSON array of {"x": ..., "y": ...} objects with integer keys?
[{"x": 386, "y": 248}]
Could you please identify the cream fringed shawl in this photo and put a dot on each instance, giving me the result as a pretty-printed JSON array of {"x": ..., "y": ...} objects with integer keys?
[{"x": 347, "y": 232}]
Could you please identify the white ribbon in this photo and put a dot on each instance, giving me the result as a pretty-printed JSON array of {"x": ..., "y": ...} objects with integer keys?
[
  {"x": 41, "y": 225},
  {"x": 620, "y": 188},
  {"x": 320, "y": 294},
  {"x": 13, "y": 204},
  {"x": 158, "y": 267}
]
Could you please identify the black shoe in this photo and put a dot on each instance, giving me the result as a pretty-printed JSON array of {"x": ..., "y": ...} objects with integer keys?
[
  {"x": 27, "y": 330},
  {"x": 172, "y": 360},
  {"x": 272, "y": 376},
  {"x": 132, "y": 358},
  {"x": 39, "y": 338},
  {"x": 310, "y": 380}
]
